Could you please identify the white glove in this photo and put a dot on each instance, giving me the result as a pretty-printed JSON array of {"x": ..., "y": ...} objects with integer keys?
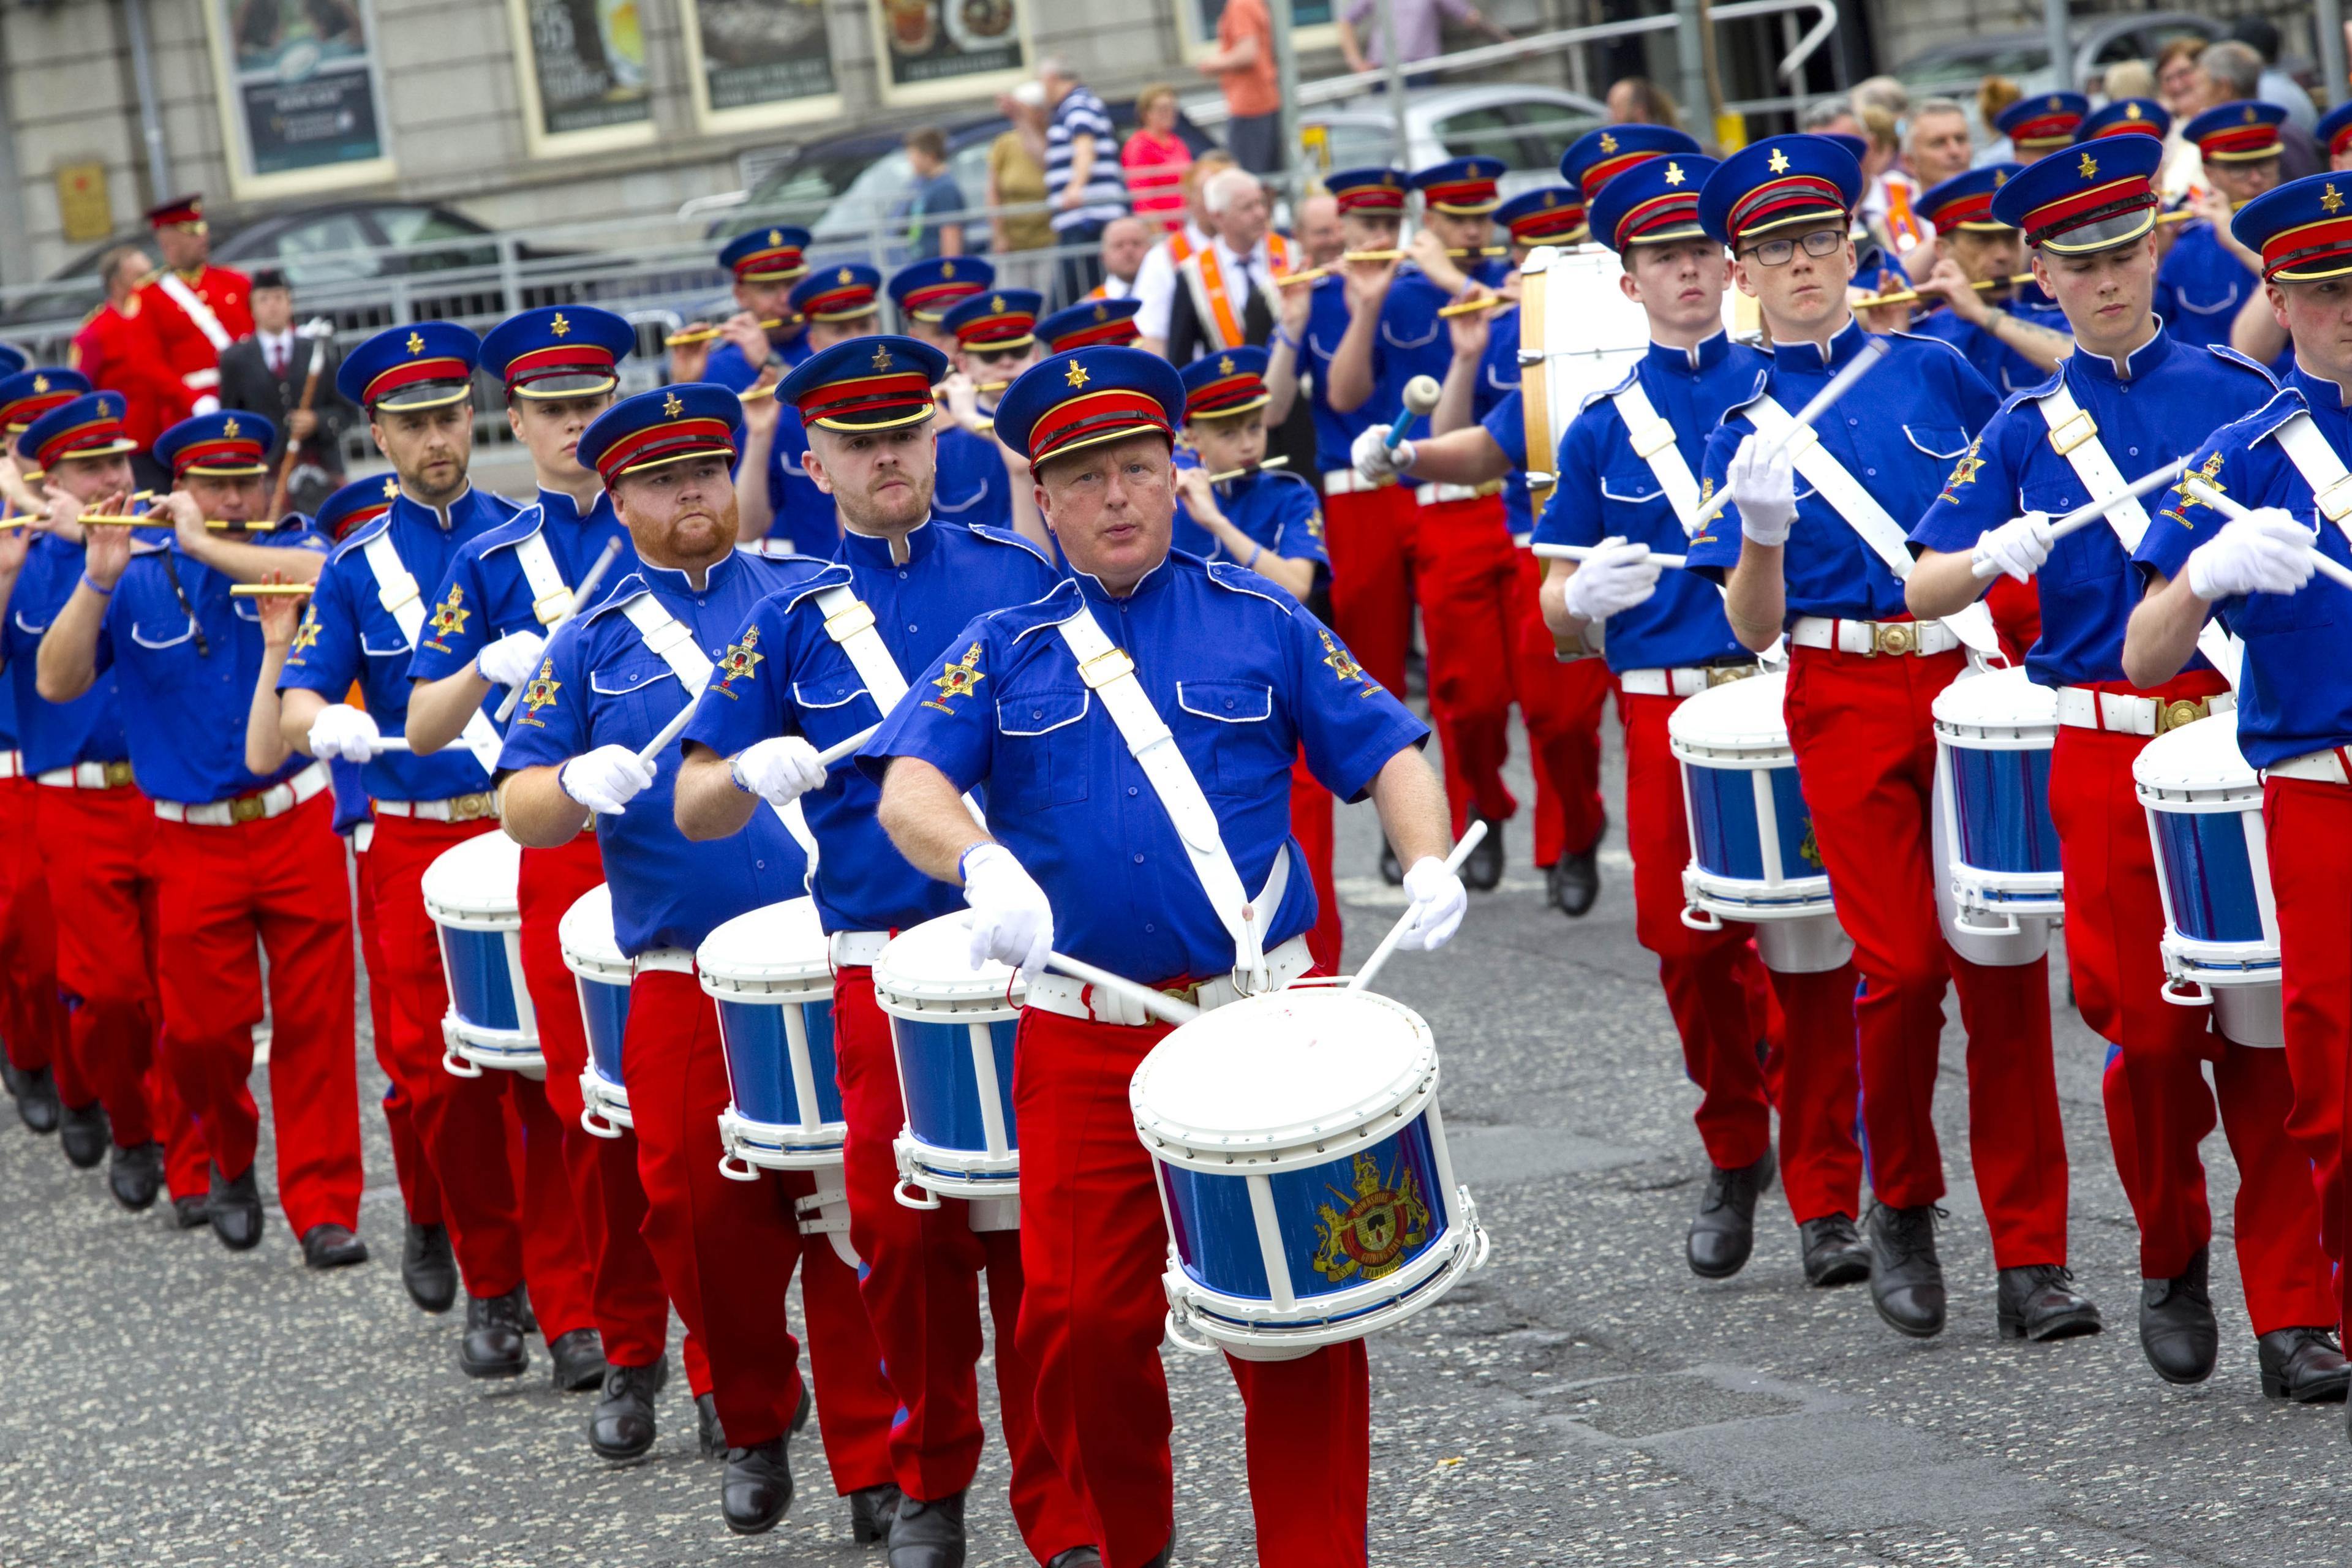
[
  {"x": 2017, "y": 547},
  {"x": 779, "y": 770},
  {"x": 2265, "y": 551},
  {"x": 512, "y": 659},
  {"x": 344, "y": 733},
  {"x": 605, "y": 780},
  {"x": 1011, "y": 921},
  {"x": 1375, "y": 459},
  {"x": 1764, "y": 492},
  {"x": 1439, "y": 902},
  {"x": 1617, "y": 576}
]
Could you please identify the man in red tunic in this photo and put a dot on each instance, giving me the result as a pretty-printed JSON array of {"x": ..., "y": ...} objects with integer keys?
[
  {"x": 200, "y": 309},
  {"x": 120, "y": 349}
]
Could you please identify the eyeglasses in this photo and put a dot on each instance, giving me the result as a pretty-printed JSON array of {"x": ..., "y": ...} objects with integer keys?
[{"x": 1778, "y": 252}]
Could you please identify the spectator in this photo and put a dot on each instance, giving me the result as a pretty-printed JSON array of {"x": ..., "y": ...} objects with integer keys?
[
  {"x": 1125, "y": 243},
  {"x": 1316, "y": 226},
  {"x": 1082, "y": 176},
  {"x": 1155, "y": 281},
  {"x": 1242, "y": 63},
  {"x": 2181, "y": 89},
  {"x": 1155, "y": 159},
  {"x": 1938, "y": 146},
  {"x": 2229, "y": 71},
  {"x": 2274, "y": 86},
  {"x": 268, "y": 373},
  {"x": 933, "y": 197},
  {"x": 118, "y": 349},
  {"x": 1227, "y": 295},
  {"x": 1016, "y": 178},
  {"x": 1638, "y": 100},
  {"x": 1420, "y": 30},
  {"x": 1887, "y": 189},
  {"x": 2127, "y": 78},
  {"x": 1994, "y": 94}
]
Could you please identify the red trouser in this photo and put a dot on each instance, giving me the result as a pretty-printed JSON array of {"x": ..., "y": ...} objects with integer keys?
[
  {"x": 32, "y": 1021},
  {"x": 462, "y": 1122},
  {"x": 280, "y": 880},
  {"x": 2115, "y": 919},
  {"x": 1712, "y": 980},
  {"x": 1368, "y": 536},
  {"x": 1865, "y": 751},
  {"x": 1561, "y": 704},
  {"x": 1465, "y": 573},
  {"x": 921, "y": 1289},
  {"x": 1093, "y": 1244},
  {"x": 632, "y": 1309},
  {"x": 2309, "y": 825},
  {"x": 727, "y": 1249},
  {"x": 1310, "y": 824},
  {"x": 420, "y": 1189}
]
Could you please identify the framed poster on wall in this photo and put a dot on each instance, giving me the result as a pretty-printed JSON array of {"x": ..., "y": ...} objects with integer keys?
[
  {"x": 300, "y": 93},
  {"x": 934, "y": 51},
  {"x": 582, "y": 69},
  {"x": 759, "y": 62}
]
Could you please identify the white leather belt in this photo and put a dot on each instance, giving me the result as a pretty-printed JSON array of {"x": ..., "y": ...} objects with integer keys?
[
  {"x": 1079, "y": 999},
  {"x": 87, "y": 775},
  {"x": 12, "y": 765},
  {"x": 1685, "y": 680},
  {"x": 857, "y": 948},
  {"x": 2121, "y": 713},
  {"x": 1348, "y": 482},
  {"x": 457, "y": 808},
  {"x": 2320, "y": 767},
  {"x": 1437, "y": 495},
  {"x": 259, "y": 806},
  {"x": 1873, "y": 637},
  {"x": 362, "y": 837},
  {"x": 675, "y": 960}
]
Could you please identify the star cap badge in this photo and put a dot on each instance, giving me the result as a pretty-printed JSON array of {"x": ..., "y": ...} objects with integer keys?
[
  {"x": 671, "y": 406},
  {"x": 996, "y": 303},
  {"x": 40, "y": 384},
  {"x": 2330, "y": 202},
  {"x": 1102, "y": 314},
  {"x": 775, "y": 236},
  {"x": 558, "y": 326},
  {"x": 1225, "y": 364},
  {"x": 1608, "y": 143},
  {"x": 415, "y": 342},
  {"x": 845, "y": 276},
  {"x": 390, "y": 488},
  {"x": 2131, "y": 111},
  {"x": 1674, "y": 175},
  {"x": 881, "y": 358},
  {"x": 2088, "y": 168},
  {"x": 1078, "y": 374},
  {"x": 947, "y": 270},
  {"x": 229, "y": 426},
  {"x": 1779, "y": 162},
  {"x": 957, "y": 680}
]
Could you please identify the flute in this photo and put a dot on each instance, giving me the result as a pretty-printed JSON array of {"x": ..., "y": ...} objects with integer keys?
[
  {"x": 704, "y": 334},
  {"x": 269, "y": 590},
  {"x": 1312, "y": 273},
  {"x": 1278, "y": 460},
  {"x": 1904, "y": 296},
  {"x": 1471, "y": 307}
]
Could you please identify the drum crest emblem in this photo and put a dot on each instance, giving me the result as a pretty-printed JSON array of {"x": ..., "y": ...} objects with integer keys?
[
  {"x": 957, "y": 680},
  {"x": 1809, "y": 850},
  {"x": 540, "y": 692},
  {"x": 1384, "y": 1223}
]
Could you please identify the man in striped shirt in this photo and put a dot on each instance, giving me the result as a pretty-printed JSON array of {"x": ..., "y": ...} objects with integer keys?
[{"x": 1083, "y": 182}]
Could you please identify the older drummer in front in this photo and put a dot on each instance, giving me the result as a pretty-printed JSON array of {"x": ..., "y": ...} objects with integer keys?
[
  {"x": 1057, "y": 708},
  {"x": 2133, "y": 396},
  {"x": 834, "y": 652}
]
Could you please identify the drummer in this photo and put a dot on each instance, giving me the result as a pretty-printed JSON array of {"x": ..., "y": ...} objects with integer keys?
[
  {"x": 925, "y": 292},
  {"x": 992, "y": 338},
  {"x": 1116, "y": 885},
  {"x": 2294, "y": 714},
  {"x": 415, "y": 384},
  {"x": 782, "y": 509},
  {"x": 2132, "y": 396},
  {"x": 1862, "y": 674},
  {"x": 1667, "y": 640},
  {"x": 612, "y": 679},
  {"x": 900, "y": 568},
  {"x": 765, "y": 263}
]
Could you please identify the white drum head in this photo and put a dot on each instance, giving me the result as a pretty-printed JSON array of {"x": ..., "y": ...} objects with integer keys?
[
  {"x": 474, "y": 882},
  {"x": 932, "y": 962},
  {"x": 781, "y": 942},
  {"x": 1739, "y": 720},
  {"x": 2201, "y": 758},
  {"x": 1999, "y": 701},
  {"x": 586, "y": 935}
]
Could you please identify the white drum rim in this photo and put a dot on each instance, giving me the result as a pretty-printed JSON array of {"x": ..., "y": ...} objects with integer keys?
[
  {"x": 1251, "y": 1339},
  {"x": 773, "y": 1148},
  {"x": 1343, "y": 1303},
  {"x": 589, "y": 919},
  {"x": 750, "y": 972},
  {"x": 2201, "y": 800},
  {"x": 1975, "y": 736},
  {"x": 1738, "y": 898},
  {"x": 992, "y": 989},
  {"x": 466, "y": 908},
  {"x": 2196, "y": 763},
  {"x": 1697, "y": 735}
]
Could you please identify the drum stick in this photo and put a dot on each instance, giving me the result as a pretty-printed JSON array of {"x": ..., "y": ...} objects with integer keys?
[
  {"x": 1372, "y": 965},
  {"x": 588, "y": 584},
  {"x": 2090, "y": 512},
  {"x": 269, "y": 590},
  {"x": 393, "y": 744},
  {"x": 1471, "y": 307},
  {"x": 1421, "y": 395},
  {"x": 650, "y": 753},
  {"x": 1587, "y": 551},
  {"x": 1279, "y": 459},
  {"x": 1863, "y": 362},
  {"x": 1158, "y": 1003},
  {"x": 841, "y": 749},
  {"x": 2339, "y": 574},
  {"x": 705, "y": 334}
]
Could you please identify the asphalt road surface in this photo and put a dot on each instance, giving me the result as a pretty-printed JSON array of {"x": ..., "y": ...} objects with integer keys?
[{"x": 1584, "y": 1400}]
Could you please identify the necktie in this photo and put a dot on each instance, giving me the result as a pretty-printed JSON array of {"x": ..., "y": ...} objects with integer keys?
[{"x": 277, "y": 358}]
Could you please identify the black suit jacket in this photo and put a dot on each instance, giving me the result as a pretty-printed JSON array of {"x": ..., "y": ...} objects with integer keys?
[{"x": 247, "y": 382}]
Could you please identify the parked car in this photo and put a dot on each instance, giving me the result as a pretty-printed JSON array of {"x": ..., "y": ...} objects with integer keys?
[{"x": 1954, "y": 70}]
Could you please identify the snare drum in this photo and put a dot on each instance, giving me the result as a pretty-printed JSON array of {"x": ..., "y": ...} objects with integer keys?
[
  {"x": 602, "y": 974},
  {"x": 1994, "y": 732},
  {"x": 469, "y": 891},
  {"x": 1303, "y": 1172},
  {"x": 771, "y": 979},
  {"x": 2204, "y": 806},
  {"x": 951, "y": 1028}
]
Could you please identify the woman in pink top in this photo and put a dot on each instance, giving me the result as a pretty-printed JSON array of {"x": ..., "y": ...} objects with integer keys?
[{"x": 1155, "y": 159}]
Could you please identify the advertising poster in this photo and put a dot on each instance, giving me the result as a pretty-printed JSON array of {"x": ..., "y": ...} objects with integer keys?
[
  {"x": 760, "y": 54},
  {"x": 935, "y": 48},
  {"x": 585, "y": 65},
  {"x": 302, "y": 85}
]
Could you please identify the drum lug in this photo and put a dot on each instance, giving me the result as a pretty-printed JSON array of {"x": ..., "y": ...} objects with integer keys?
[{"x": 736, "y": 1170}]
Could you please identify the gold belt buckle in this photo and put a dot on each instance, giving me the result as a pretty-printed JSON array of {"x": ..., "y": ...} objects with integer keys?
[
  {"x": 1724, "y": 674},
  {"x": 1895, "y": 637},
  {"x": 467, "y": 808},
  {"x": 246, "y": 808},
  {"x": 117, "y": 775},
  {"x": 2171, "y": 716}
]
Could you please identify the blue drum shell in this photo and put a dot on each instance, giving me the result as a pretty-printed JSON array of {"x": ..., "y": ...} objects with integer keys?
[
  {"x": 760, "y": 1060},
  {"x": 2208, "y": 877},
  {"x": 604, "y": 1010},
  {"x": 481, "y": 986},
  {"x": 1347, "y": 1223},
  {"x": 942, "y": 1091},
  {"x": 2000, "y": 801},
  {"x": 1728, "y": 841}
]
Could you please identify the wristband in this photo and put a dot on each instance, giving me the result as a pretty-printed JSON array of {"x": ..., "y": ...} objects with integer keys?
[
  {"x": 735, "y": 773},
  {"x": 1251, "y": 564},
  {"x": 93, "y": 587}
]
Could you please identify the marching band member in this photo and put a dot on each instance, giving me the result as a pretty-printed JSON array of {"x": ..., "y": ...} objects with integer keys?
[
  {"x": 903, "y": 579},
  {"x": 766, "y": 263},
  {"x": 1073, "y": 807},
  {"x": 1861, "y": 674},
  {"x": 992, "y": 338},
  {"x": 201, "y": 309},
  {"x": 727, "y": 1249},
  {"x": 245, "y": 858},
  {"x": 2287, "y": 460},
  {"x": 1667, "y": 640},
  {"x": 366, "y": 619},
  {"x": 2207, "y": 272},
  {"x": 2130, "y": 396},
  {"x": 2045, "y": 123},
  {"x": 772, "y": 486},
  {"x": 925, "y": 292},
  {"x": 2011, "y": 349},
  {"x": 1089, "y": 324}
]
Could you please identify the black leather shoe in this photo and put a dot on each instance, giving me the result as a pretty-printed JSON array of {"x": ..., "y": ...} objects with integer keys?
[
  {"x": 37, "y": 1095},
  {"x": 2176, "y": 1331},
  {"x": 2039, "y": 1301},
  {"x": 2305, "y": 1365},
  {"x": 1834, "y": 1253},
  {"x": 579, "y": 1358},
  {"x": 1076, "y": 1557},
  {"x": 192, "y": 1213},
  {"x": 135, "y": 1175},
  {"x": 928, "y": 1534},
  {"x": 1391, "y": 870},
  {"x": 84, "y": 1134},
  {"x": 1724, "y": 1232},
  {"x": 757, "y": 1488},
  {"x": 623, "y": 1426},
  {"x": 235, "y": 1209},
  {"x": 493, "y": 1345},
  {"x": 8, "y": 1079},
  {"x": 1167, "y": 1553},
  {"x": 1574, "y": 882},
  {"x": 872, "y": 1512},
  {"x": 331, "y": 1246},
  {"x": 709, "y": 1436},
  {"x": 1907, "y": 1280},
  {"x": 428, "y": 1268},
  {"x": 1483, "y": 871}
]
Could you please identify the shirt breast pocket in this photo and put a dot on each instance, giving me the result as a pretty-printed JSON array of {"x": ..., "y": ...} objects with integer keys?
[
  {"x": 377, "y": 645},
  {"x": 1407, "y": 343},
  {"x": 1228, "y": 735},
  {"x": 630, "y": 702},
  {"x": 1041, "y": 757},
  {"x": 2211, "y": 306},
  {"x": 168, "y": 633},
  {"x": 1943, "y": 442}
]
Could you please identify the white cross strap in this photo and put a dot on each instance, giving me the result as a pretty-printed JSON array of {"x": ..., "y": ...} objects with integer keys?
[
  {"x": 1653, "y": 442},
  {"x": 550, "y": 594},
  {"x": 849, "y": 622},
  {"x": 396, "y": 591}
]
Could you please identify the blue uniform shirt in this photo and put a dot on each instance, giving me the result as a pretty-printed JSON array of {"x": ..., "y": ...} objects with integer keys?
[
  {"x": 806, "y": 686},
  {"x": 2201, "y": 286},
  {"x": 1327, "y": 323},
  {"x": 56, "y": 734},
  {"x": 803, "y": 516},
  {"x": 1604, "y": 488},
  {"x": 2176, "y": 394},
  {"x": 1274, "y": 506},
  {"x": 486, "y": 580},
  {"x": 2295, "y": 694},
  {"x": 972, "y": 485},
  {"x": 349, "y": 636},
  {"x": 1243, "y": 676},
  {"x": 2003, "y": 368},
  {"x": 1898, "y": 433},
  {"x": 184, "y": 710},
  {"x": 611, "y": 690},
  {"x": 1413, "y": 339}
]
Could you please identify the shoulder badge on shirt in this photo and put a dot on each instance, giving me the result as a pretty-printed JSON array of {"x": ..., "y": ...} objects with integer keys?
[
  {"x": 1343, "y": 663},
  {"x": 448, "y": 619},
  {"x": 2208, "y": 471},
  {"x": 1964, "y": 472},
  {"x": 741, "y": 660},
  {"x": 539, "y": 693},
  {"x": 957, "y": 680},
  {"x": 306, "y": 636}
]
